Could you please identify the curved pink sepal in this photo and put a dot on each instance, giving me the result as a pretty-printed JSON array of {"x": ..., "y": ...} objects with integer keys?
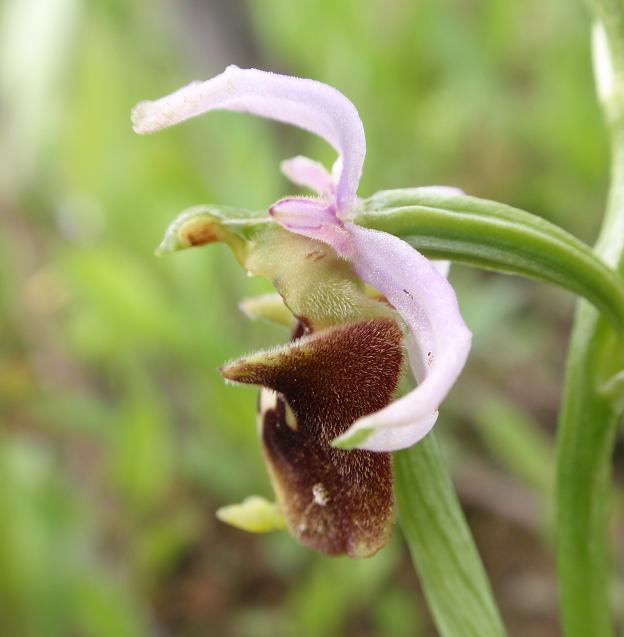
[{"x": 308, "y": 104}]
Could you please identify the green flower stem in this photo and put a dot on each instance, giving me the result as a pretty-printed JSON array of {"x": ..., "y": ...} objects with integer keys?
[
  {"x": 495, "y": 236},
  {"x": 585, "y": 443},
  {"x": 586, "y": 435},
  {"x": 589, "y": 416},
  {"x": 442, "y": 548}
]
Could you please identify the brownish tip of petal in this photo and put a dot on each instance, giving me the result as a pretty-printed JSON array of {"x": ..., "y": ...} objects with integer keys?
[{"x": 254, "y": 369}]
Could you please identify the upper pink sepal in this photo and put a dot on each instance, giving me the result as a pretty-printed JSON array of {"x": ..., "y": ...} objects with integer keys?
[{"x": 308, "y": 104}]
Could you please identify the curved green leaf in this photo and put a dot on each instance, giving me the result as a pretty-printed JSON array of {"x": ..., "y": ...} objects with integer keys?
[
  {"x": 442, "y": 548},
  {"x": 497, "y": 237}
]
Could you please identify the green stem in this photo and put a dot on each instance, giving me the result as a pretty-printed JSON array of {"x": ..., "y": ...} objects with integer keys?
[
  {"x": 442, "y": 548},
  {"x": 589, "y": 418},
  {"x": 585, "y": 444}
]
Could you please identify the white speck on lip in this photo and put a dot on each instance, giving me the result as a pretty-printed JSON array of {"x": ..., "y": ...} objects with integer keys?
[{"x": 320, "y": 494}]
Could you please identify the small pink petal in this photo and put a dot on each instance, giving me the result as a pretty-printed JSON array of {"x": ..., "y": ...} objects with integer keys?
[
  {"x": 300, "y": 214},
  {"x": 312, "y": 218},
  {"x": 311, "y": 105},
  {"x": 428, "y": 305},
  {"x": 310, "y": 174}
]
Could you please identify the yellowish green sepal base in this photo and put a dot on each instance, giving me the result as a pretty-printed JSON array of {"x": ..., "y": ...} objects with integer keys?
[{"x": 268, "y": 307}]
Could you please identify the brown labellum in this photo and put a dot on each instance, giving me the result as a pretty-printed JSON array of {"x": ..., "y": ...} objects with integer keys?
[{"x": 334, "y": 501}]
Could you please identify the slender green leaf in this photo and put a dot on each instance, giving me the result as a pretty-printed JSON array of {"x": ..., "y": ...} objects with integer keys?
[
  {"x": 442, "y": 548},
  {"x": 498, "y": 237}
]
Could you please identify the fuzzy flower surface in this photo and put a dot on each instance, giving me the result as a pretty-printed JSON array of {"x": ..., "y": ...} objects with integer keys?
[{"x": 364, "y": 301}]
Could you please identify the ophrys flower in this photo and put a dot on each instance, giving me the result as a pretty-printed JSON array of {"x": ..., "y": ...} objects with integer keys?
[{"x": 335, "y": 380}]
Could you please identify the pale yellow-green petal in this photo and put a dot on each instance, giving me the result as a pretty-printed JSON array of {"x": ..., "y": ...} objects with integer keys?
[
  {"x": 254, "y": 514},
  {"x": 269, "y": 307}
]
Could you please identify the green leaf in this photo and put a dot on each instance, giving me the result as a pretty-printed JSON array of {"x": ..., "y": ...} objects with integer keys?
[
  {"x": 497, "y": 237},
  {"x": 442, "y": 548}
]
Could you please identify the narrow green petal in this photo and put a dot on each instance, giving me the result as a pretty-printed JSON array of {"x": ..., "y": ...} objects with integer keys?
[{"x": 268, "y": 307}]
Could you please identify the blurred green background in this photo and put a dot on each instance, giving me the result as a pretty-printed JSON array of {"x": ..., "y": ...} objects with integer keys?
[{"x": 119, "y": 439}]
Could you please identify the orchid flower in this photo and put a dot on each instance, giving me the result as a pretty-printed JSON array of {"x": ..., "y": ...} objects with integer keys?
[
  {"x": 349, "y": 345},
  {"x": 439, "y": 340}
]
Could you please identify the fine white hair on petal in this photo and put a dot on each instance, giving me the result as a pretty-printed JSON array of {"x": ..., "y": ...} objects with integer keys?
[
  {"x": 428, "y": 305},
  {"x": 308, "y": 104},
  {"x": 311, "y": 174}
]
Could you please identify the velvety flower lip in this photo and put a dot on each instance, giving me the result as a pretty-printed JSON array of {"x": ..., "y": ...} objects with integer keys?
[
  {"x": 438, "y": 340},
  {"x": 334, "y": 501}
]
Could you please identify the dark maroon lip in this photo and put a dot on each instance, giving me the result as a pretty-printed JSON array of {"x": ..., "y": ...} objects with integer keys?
[{"x": 334, "y": 501}]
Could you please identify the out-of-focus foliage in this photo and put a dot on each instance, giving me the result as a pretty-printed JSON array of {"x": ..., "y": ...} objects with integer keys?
[{"x": 119, "y": 439}]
